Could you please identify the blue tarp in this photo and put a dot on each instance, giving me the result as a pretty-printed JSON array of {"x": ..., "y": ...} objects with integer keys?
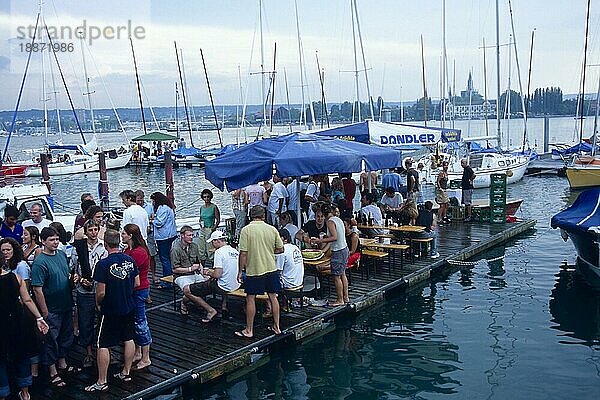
[
  {"x": 583, "y": 214},
  {"x": 582, "y": 147},
  {"x": 187, "y": 151},
  {"x": 296, "y": 154}
]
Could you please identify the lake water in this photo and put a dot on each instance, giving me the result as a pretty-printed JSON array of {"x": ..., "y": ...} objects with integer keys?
[{"x": 522, "y": 327}]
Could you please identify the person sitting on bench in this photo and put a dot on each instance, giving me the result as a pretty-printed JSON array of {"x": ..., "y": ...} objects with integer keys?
[
  {"x": 185, "y": 260},
  {"x": 427, "y": 219},
  {"x": 221, "y": 279}
]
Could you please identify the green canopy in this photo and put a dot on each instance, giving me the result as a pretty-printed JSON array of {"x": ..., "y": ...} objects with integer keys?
[{"x": 155, "y": 137}]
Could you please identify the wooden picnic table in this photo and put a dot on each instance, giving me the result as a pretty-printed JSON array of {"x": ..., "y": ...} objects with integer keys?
[{"x": 401, "y": 228}]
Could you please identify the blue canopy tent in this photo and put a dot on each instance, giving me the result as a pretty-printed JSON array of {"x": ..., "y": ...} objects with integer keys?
[{"x": 296, "y": 154}]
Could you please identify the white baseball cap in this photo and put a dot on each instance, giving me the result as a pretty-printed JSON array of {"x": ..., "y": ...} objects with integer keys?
[{"x": 216, "y": 235}]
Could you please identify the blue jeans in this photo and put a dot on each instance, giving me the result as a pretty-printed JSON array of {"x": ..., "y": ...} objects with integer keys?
[
  {"x": 142, "y": 330},
  {"x": 59, "y": 339},
  {"x": 21, "y": 372},
  {"x": 432, "y": 234},
  {"x": 164, "y": 252},
  {"x": 86, "y": 314}
]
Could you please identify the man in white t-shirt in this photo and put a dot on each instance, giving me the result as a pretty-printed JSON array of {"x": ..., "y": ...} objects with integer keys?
[
  {"x": 312, "y": 195},
  {"x": 277, "y": 201},
  {"x": 223, "y": 276},
  {"x": 37, "y": 220},
  {"x": 371, "y": 211},
  {"x": 256, "y": 195},
  {"x": 287, "y": 223},
  {"x": 134, "y": 214},
  {"x": 289, "y": 263}
]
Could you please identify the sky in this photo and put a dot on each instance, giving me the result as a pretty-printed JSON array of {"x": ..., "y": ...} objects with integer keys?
[{"x": 228, "y": 33}]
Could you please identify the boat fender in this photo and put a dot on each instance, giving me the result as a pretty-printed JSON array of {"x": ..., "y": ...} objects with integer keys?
[{"x": 509, "y": 173}]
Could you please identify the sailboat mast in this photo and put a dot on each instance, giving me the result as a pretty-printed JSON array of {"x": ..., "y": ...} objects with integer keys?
[
  {"x": 301, "y": 62},
  {"x": 424, "y": 85},
  {"x": 43, "y": 78},
  {"x": 88, "y": 92},
  {"x": 212, "y": 103},
  {"x": 443, "y": 99},
  {"x": 262, "y": 63},
  {"x": 485, "y": 96},
  {"x": 321, "y": 80},
  {"x": 512, "y": 25},
  {"x": 177, "y": 110},
  {"x": 365, "y": 69},
  {"x": 508, "y": 93},
  {"x": 273, "y": 87},
  {"x": 498, "y": 128},
  {"x": 357, "y": 111},
  {"x": 55, "y": 92},
  {"x": 185, "y": 105},
  {"x": 595, "y": 134},
  {"x": 287, "y": 95},
  {"x": 139, "y": 90},
  {"x": 585, "y": 46},
  {"x": 529, "y": 82}
]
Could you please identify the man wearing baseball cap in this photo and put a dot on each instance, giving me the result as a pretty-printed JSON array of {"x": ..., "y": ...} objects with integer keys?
[{"x": 222, "y": 277}]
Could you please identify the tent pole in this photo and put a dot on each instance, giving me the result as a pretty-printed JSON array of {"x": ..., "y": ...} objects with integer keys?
[{"x": 298, "y": 208}]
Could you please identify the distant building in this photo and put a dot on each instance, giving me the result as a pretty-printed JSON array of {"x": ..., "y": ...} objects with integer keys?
[{"x": 470, "y": 104}]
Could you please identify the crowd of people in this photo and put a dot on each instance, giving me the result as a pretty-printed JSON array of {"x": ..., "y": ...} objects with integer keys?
[{"x": 93, "y": 288}]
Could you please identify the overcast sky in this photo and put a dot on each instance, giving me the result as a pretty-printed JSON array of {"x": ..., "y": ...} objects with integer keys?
[{"x": 228, "y": 33}]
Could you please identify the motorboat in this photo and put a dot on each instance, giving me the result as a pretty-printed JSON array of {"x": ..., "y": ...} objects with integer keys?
[
  {"x": 74, "y": 159},
  {"x": 581, "y": 223}
]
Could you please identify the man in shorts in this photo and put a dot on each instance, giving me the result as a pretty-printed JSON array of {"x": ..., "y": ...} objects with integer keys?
[
  {"x": 468, "y": 177},
  {"x": 116, "y": 277},
  {"x": 185, "y": 260},
  {"x": 221, "y": 279},
  {"x": 259, "y": 243}
]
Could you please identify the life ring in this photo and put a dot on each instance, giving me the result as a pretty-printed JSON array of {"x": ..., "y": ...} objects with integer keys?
[{"x": 509, "y": 173}]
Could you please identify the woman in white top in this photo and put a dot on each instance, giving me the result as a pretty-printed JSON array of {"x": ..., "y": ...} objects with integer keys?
[{"x": 339, "y": 255}]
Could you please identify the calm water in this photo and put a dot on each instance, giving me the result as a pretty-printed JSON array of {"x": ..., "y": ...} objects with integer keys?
[{"x": 522, "y": 327}]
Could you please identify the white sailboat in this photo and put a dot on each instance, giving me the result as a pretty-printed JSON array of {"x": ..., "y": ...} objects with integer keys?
[{"x": 76, "y": 158}]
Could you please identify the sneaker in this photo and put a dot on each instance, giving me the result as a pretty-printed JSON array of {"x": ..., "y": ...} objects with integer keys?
[{"x": 434, "y": 256}]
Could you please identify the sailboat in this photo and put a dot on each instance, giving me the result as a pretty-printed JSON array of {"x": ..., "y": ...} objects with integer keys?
[
  {"x": 584, "y": 171},
  {"x": 69, "y": 158},
  {"x": 486, "y": 162}
]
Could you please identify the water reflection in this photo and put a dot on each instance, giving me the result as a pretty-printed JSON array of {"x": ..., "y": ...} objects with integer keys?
[{"x": 575, "y": 307}]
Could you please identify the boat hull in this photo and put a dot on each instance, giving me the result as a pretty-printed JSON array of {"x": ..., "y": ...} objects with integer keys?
[
  {"x": 483, "y": 176},
  {"x": 14, "y": 169},
  {"x": 82, "y": 166},
  {"x": 583, "y": 176},
  {"x": 587, "y": 249}
]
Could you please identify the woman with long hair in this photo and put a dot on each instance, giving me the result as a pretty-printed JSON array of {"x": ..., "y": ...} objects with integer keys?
[
  {"x": 165, "y": 231},
  {"x": 137, "y": 249},
  {"x": 13, "y": 259},
  {"x": 31, "y": 244},
  {"x": 18, "y": 338}
]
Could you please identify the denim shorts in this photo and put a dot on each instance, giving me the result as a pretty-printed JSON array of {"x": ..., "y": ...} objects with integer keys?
[{"x": 339, "y": 260}]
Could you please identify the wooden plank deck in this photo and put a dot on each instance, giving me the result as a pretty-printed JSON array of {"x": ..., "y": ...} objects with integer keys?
[{"x": 185, "y": 350}]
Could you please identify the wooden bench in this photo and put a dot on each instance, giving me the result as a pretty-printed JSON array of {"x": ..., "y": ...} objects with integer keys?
[
  {"x": 421, "y": 242},
  {"x": 170, "y": 280},
  {"x": 374, "y": 255},
  {"x": 241, "y": 294},
  {"x": 392, "y": 246}
]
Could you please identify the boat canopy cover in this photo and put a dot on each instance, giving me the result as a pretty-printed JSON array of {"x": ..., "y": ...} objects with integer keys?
[
  {"x": 582, "y": 215},
  {"x": 296, "y": 154},
  {"x": 155, "y": 137},
  {"x": 582, "y": 147},
  {"x": 392, "y": 134},
  {"x": 183, "y": 151}
]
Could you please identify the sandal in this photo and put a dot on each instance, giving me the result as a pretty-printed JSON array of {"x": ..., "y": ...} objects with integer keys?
[
  {"x": 122, "y": 377},
  {"x": 56, "y": 381},
  {"x": 183, "y": 310},
  {"x": 69, "y": 369},
  {"x": 97, "y": 387},
  {"x": 88, "y": 362}
]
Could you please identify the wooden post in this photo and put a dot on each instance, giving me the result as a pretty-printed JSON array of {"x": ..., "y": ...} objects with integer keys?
[
  {"x": 103, "y": 183},
  {"x": 169, "y": 176},
  {"x": 44, "y": 167}
]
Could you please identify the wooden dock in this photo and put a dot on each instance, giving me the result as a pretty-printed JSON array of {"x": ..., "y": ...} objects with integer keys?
[{"x": 188, "y": 352}]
